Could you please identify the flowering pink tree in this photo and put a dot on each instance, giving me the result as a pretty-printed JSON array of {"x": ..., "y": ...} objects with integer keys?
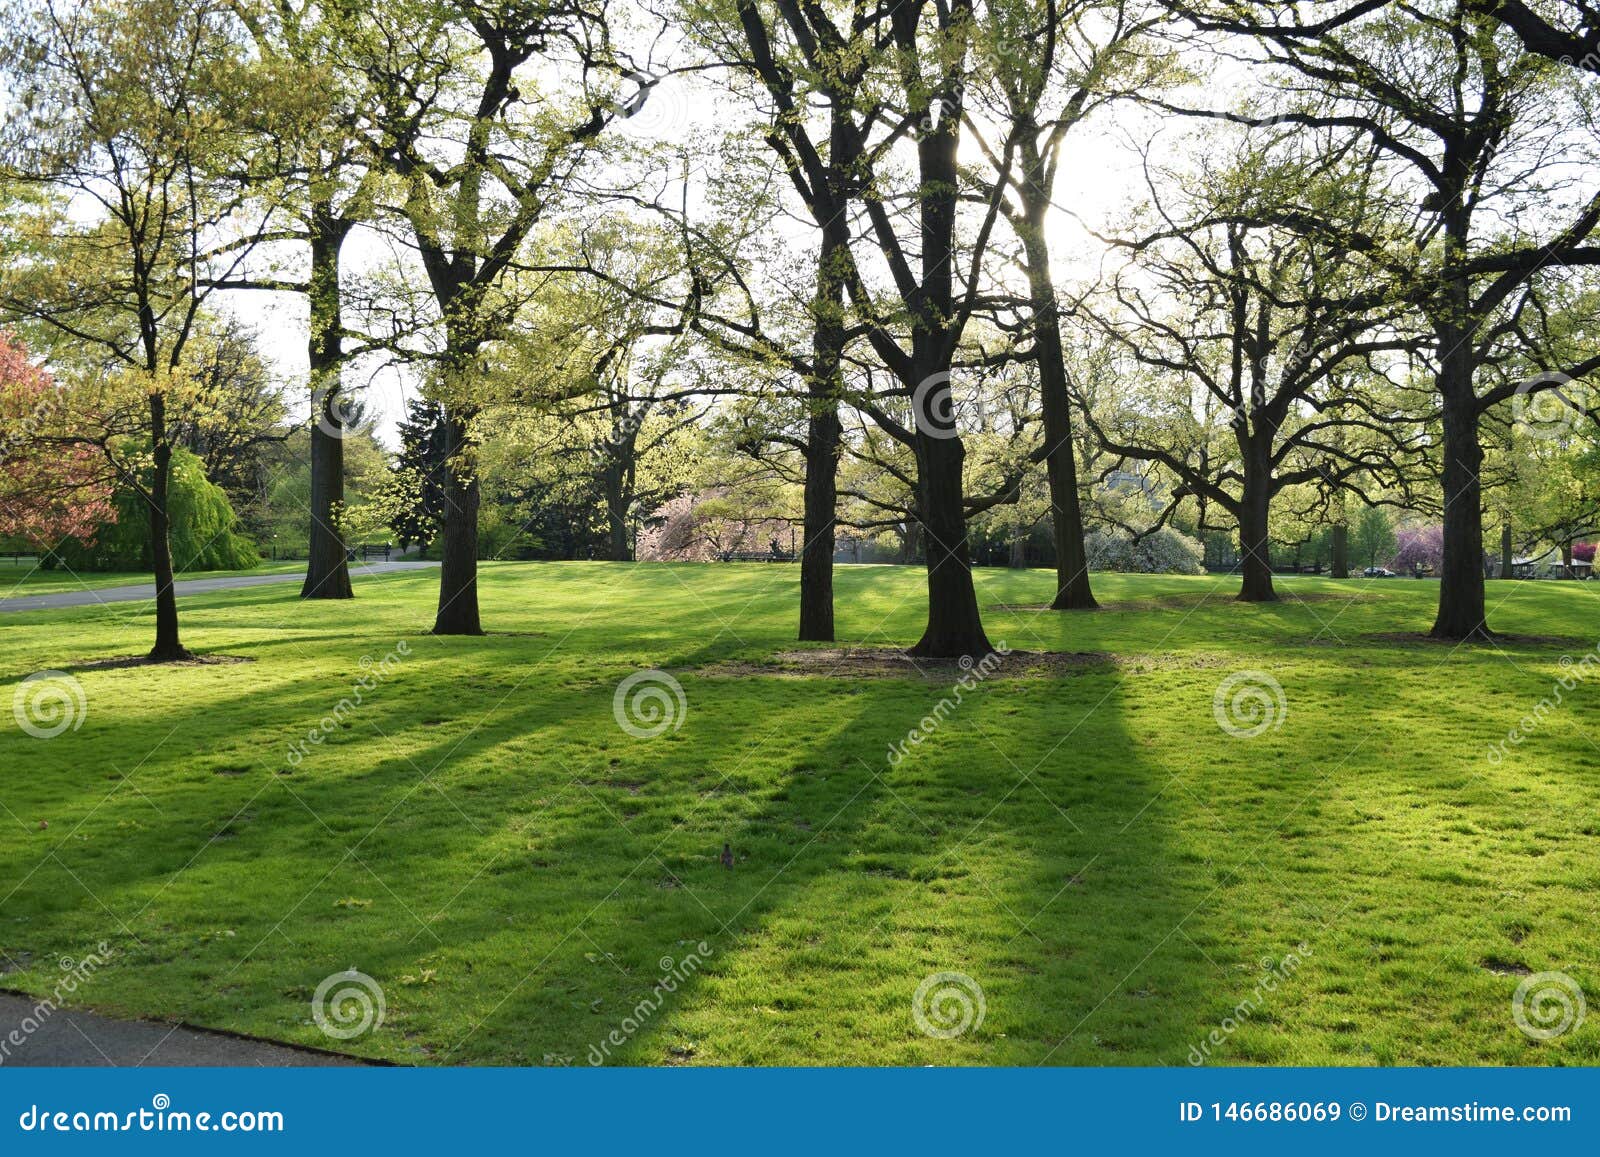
[
  {"x": 1419, "y": 547},
  {"x": 1583, "y": 551},
  {"x": 48, "y": 488}
]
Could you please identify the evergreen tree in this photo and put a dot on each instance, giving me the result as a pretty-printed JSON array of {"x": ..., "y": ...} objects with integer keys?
[{"x": 416, "y": 497}]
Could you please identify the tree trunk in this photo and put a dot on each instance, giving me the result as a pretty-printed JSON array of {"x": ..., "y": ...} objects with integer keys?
[
  {"x": 458, "y": 540},
  {"x": 821, "y": 513},
  {"x": 616, "y": 514},
  {"x": 1061, "y": 468},
  {"x": 1341, "y": 551},
  {"x": 908, "y": 545},
  {"x": 823, "y": 390},
  {"x": 1461, "y": 597},
  {"x": 1507, "y": 555},
  {"x": 1019, "y": 555},
  {"x": 954, "y": 626},
  {"x": 1255, "y": 545},
  {"x": 168, "y": 648},
  {"x": 327, "y": 572}
]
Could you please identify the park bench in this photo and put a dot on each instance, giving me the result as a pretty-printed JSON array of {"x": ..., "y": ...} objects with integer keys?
[
  {"x": 368, "y": 551},
  {"x": 756, "y": 556}
]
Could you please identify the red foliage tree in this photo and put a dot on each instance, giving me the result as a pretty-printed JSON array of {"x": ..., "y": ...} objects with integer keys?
[
  {"x": 1419, "y": 548},
  {"x": 48, "y": 488}
]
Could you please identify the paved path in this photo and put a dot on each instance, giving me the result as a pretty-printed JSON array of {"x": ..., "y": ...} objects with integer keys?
[
  {"x": 147, "y": 592},
  {"x": 73, "y": 1037}
]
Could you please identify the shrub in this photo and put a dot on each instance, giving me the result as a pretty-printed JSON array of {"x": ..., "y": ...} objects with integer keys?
[{"x": 1166, "y": 551}]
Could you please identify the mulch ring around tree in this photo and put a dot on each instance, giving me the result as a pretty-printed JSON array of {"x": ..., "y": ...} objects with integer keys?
[
  {"x": 146, "y": 661},
  {"x": 896, "y": 663}
]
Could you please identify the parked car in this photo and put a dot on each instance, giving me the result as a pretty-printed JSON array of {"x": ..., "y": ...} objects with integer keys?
[{"x": 1378, "y": 572}]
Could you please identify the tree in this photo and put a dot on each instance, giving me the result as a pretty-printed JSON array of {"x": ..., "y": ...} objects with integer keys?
[
  {"x": 1418, "y": 549},
  {"x": 1372, "y": 537},
  {"x": 1473, "y": 137},
  {"x": 46, "y": 492},
  {"x": 926, "y": 64},
  {"x": 323, "y": 180},
  {"x": 205, "y": 530},
  {"x": 604, "y": 357},
  {"x": 240, "y": 415},
  {"x": 1051, "y": 67},
  {"x": 483, "y": 114},
  {"x": 1259, "y": 377},
  {"x": 1556, "y": 490},
  {"x": 415, "y": 498},
  {"x": 810, "y": 65},
  {"x": 123, "y": 130}
]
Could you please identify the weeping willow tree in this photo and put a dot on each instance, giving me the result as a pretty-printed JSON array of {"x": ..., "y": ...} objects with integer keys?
[{"x": 205, "y": 530}]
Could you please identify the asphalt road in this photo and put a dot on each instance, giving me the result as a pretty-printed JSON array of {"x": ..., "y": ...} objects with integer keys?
[
  {"x": 72, "y": 1037},
  {"x": 146, "y": 592}
]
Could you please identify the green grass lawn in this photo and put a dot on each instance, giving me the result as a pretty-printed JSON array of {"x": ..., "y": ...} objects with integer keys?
[
  {"x": 19, "y": 579},
  {"x": 1086, "y": 843}
]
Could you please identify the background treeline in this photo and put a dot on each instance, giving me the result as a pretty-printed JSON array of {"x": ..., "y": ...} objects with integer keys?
[{"x": 1100, "y": 283}]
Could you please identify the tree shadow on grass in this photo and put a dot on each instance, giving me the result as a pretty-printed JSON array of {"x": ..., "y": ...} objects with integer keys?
[
  {"x": 528, "y": 874},
  {"x": 950, "y": 861},
  {"x": 532, "y": 869}
]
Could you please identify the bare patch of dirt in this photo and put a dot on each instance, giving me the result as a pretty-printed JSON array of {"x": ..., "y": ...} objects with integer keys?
[
  {"x": 894, "y": 663},
  {"x": 1505, "y": 967},
  {"x": 145, "y": 661},
  {"x": 17, "y": 961}
]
